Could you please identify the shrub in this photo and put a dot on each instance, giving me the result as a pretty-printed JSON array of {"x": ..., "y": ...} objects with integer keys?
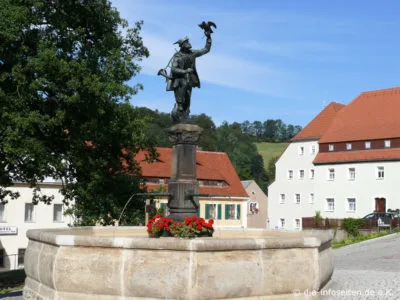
[
  {"x": 352, "y": 225},
  {"x": 318, "y": 219}
]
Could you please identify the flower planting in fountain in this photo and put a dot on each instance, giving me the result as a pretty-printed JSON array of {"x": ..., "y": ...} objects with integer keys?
[{"x": 190, "y": 228}]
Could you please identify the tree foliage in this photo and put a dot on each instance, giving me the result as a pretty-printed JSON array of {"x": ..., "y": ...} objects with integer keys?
[{"x": 64, "y": 110}]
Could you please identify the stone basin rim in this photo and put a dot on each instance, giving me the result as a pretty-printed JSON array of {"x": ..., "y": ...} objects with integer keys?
[{"x": 85, "y": 237}]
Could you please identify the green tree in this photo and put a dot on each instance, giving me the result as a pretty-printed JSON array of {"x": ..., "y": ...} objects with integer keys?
[
  {"x": 208, "y": 140},
  {"x": 242, "y": 152},
  {"x": 271, "y": 169},
  {"x": 64, "y": 110}
]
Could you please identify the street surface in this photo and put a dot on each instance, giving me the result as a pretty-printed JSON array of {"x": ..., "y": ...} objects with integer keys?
[{"x": 367, "y": 270}]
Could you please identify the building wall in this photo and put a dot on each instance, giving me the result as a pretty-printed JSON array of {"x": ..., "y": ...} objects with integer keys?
[
  {"x": 293, "y": 159},
  {"x": 257, "y": 219},
  {"x": 365, "y": 187},
  {"x": 14, "y": 216},
  {"x": 221, "y": 202}
]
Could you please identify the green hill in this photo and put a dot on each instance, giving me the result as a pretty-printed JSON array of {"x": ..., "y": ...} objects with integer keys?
[{"x": 270, "y": 150}]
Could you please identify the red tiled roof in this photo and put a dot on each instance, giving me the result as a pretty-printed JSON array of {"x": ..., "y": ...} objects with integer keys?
[
  {"x": 317, "y": 127},
  {"x": 372, "y": 115},
  {"x": 209, "y": 166},
  {"x": 357, "y": 156}
]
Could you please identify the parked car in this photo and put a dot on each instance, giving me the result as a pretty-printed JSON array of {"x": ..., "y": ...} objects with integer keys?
[{"x": 385, "y": 217}]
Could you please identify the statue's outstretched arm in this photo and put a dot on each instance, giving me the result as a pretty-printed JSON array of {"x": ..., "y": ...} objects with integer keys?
[{"x": 206, "y": 48}]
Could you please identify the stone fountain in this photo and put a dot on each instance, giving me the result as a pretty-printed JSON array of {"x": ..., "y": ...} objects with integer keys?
[{"x": 124, "y": 263}]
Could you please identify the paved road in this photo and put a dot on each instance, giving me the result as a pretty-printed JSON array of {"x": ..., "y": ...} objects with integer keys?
[{"x": 367, "y": 270}]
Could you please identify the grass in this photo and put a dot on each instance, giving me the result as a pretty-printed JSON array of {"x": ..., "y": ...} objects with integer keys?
[
  {"x": 270, "y": 150},
  {"x": 353, "y": 240},
  {"x": 11, "y": 281}
]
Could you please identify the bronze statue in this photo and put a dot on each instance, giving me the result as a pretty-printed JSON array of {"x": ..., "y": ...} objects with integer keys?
[{"x": 183, "y": 76}]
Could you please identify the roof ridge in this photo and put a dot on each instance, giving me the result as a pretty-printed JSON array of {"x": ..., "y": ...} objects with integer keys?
[
  {"x": 387, "y": 91},
  {"x": 215, "y": 152}
]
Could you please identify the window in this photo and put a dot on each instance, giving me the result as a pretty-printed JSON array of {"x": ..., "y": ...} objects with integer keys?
[
  {"x": 213, "y": 211},
  {"x": 330, "y": 204},
  {"x": 312, "y": 149},
  {"x": 348, "y": 146},
  {"x": 351, "y": 204},
  {"x": 297, "y": 223},
  {"x": 387, "y": 143},
  {"x": 29, "y": 212},
  {"x": 232, "y": 211},
  {"x": 253, "y": 207},
  {"x": 290, "y": 174},
  {"x": 368, "y": 145},
  {"x": 311, "y": 198},
  {"x": 352, "y": 173},
  {"x": 2, "y": 258},
  {"x": 21, "y": 255},
  {"x": 297, "y": 198},
  {"x": 331, "y": 174},
  {"x": 301, "y": 174},
  {"x": 312, "y": 173},
  {"x": 301, "y": 150},
  {"x": 57, "y": 212},
  {"x": 282, "y": 198},
  {"x": 2, "y": 213},
  {"x": 282, "y": 222},
  {"x": 331, "y": 147},
  {"x": 380, "y": 173}
]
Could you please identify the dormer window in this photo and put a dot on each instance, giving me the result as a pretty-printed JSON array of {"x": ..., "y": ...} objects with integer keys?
[
  {"x": 348, "y": 146},
  {"x": 331, "y": 147},
  {"x": 301, "y": 150},
  {"x": 368, "y": 145},
  {"x": 312, "y": 149},
  {"x": 387, "y": 143}
]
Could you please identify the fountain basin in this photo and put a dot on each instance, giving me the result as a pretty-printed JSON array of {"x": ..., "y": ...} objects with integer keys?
[{"x": 123, "y": 263}]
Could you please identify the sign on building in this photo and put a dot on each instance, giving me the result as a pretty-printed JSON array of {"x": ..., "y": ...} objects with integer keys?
[{"x": 8, "y": 230}]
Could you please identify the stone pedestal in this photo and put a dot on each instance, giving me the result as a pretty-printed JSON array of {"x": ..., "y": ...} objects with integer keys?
[{"x": 183, "y": 182}]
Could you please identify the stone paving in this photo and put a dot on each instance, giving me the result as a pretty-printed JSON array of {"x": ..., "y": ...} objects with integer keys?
[{"x": 367, "y": 270}]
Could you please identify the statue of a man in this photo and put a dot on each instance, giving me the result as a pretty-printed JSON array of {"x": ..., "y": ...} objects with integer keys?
[{"x": 183, "y": 76}]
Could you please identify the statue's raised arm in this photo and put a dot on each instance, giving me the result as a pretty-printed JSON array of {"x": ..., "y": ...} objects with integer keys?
[{"x": 183, "y": 76}]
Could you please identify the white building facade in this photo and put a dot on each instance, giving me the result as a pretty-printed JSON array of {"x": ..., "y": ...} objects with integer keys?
[
  {"x": 357, "y": 189},
  {"x": 18, "y": 216},
  {"x": 292, "y": 194}
]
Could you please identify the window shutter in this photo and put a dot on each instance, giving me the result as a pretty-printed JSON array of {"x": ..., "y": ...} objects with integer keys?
[
  {"x": 207, "y": 211},
  {"x": 55, "y": 213},
  {"x": 226, "y": 211},
  {"x": 219, "y": 211},
  {"x": 163, "y": 207},
  {"x": 238, "y": 211},
  {"x": 198, "y": 211}
]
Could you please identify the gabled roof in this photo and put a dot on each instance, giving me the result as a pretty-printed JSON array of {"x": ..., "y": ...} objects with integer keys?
[
  {"x": 209, "y": 166},
  {"x": 318, "y": 126},
  {"x": 372, "y": 115}
]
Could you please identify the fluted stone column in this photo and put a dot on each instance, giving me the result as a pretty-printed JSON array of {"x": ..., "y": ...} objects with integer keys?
[{"x": 184, "y": 138}]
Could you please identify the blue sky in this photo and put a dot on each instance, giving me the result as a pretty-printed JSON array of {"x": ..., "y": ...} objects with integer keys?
[{"x": 270, "y": 59}]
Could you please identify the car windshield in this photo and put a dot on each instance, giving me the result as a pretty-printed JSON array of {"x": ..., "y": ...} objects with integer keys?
[{"x": 370, "y": 216}]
